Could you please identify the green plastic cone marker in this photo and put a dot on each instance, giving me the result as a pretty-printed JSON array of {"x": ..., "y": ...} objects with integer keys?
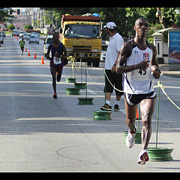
[
  {"x": 102, "y": 115},
  {"x": 86, "y": 100},
  {"x": 72, "y": 91}
]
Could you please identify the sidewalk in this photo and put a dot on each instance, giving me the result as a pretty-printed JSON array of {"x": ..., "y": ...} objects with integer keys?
[{"x": 165, "y": 71}]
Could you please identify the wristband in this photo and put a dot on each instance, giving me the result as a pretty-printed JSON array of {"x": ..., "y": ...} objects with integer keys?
[{"x": 157, "y": 70}]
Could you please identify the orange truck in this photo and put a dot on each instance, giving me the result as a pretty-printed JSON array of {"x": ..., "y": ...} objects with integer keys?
[{"x": 81, "y": 36}]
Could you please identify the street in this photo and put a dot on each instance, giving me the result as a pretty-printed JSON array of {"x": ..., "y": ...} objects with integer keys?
[{"x": 42, "y": 134}]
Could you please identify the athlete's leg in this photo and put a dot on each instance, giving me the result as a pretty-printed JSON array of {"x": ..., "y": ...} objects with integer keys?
[
  {"x": 147, "y": 108},
  {"x": 59, "y": 73},
  {"x": 131, "y": 117},
  {"x": 108, "y": 96},
  {"x": 109, "y": 81},
  {"x": 22, "y": 49},
  {"x": 53, "y": 73}
]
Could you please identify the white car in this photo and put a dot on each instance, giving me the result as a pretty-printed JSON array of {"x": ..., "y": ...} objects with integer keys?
[
  {"x": 103, "y": 51},
  {"x": 47, "y": 42},
  {"x": 34, "y": 39},
  {"x": 26, "y": 35},
  {"x": 15, "y": 32},
  {"x": 21, "y": 34}
]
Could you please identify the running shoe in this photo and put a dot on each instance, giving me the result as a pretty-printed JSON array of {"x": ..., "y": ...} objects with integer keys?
[
  {"x": 143, "y": 157},
  {"x": 55, "y": 96},
  {"x": 106, "y": 107},
  {"x": 130, "y": 140},
  {"x": 116, "y": 107}
]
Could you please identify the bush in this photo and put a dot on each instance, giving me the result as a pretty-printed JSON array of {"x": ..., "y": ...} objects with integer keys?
[
  {"x": 27, "y": 26},
  {"x": 11, "y": 27}
]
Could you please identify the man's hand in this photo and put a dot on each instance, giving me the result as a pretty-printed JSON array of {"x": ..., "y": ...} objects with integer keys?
[
  {"x": 156, "y": 73},
  {"x": 113, "y": 70},
  {"x": 143, "y": 65}
]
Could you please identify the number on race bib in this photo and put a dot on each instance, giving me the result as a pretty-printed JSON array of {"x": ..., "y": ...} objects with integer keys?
[
  {"x": 57, "y": 61},
  {"x": 142, "y": 72},
  {"x": 141, "y": 75}
]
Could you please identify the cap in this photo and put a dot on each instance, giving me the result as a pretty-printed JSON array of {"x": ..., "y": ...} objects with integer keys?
[{"x": 110, "y": 25}]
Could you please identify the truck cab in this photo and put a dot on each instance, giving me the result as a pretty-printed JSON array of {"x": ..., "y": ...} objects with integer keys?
[{"x": 81, "y": 37}]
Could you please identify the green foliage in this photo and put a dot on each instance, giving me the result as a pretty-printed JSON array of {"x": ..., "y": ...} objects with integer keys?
[
  {"x": 152, "y": 29},
  {"x": 177, "y": 19},
  {"x": 28, "y": 26},
  {"x": 125, "y": 17},
  {"x": 4, "y": 15},
  {"x": 11, "y": 27}
]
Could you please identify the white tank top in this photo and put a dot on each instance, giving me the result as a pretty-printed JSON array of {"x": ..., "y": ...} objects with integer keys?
[{"x": 138, "y": 81}]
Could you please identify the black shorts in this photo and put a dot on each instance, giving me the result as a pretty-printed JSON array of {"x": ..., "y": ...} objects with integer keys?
[
  {"x": 116, "y": 81},
  {"x": 56, "y": 71},
  {"x": 133, "y": 99}
]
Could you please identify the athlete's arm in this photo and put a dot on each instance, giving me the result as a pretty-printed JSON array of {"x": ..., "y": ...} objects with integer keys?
[
  {"x": 154, "y": 65},
  {"x": 122, "y": 59},
  {"x": 64, "y": 51},
  {"x": 48, "y": 51}
]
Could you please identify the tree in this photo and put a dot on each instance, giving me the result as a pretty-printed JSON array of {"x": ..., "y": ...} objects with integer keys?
[
  {"x": 115, "y": 14},
  {"x": 167, "y": 16},
  {"x": 133, "y": 13},
  {"x": 28, "y": 26},
  {"x": 4, "y": 15},
  {"x": 11, "y": 27},
  {"x": 125, "y": 17}
]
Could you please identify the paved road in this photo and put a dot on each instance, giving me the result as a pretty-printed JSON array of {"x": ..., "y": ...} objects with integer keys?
[{"x": 40, "y": 134}]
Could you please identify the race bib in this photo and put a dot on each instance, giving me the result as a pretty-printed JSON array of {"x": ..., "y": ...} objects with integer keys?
[
  {"x": 57, "y": 60},
  {"x": 141, "y": 74}
]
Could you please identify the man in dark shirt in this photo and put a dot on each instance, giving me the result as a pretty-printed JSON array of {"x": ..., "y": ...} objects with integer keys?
[{"x": 55, "y": 53}]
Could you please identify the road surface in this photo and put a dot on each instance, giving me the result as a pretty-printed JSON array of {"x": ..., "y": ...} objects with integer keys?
[{"x": 41, "y": 134}]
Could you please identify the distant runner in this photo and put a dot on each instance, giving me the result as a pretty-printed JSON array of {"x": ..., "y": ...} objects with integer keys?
[
  {"x": 22, "y": 43},
  {"x": 55, "y": 53}
]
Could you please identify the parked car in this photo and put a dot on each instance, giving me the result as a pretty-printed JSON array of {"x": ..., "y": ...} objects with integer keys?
[
  {"x": 3, "y": 33},
  {"x": 104, "y": 46},
  {"x": 47, "y": 42},
  {"x": 34, "y": 39},
  {"x": 15, "y": 32},
  {"x": 26, "y": 36},
  {"x": 21, "y": 34}
]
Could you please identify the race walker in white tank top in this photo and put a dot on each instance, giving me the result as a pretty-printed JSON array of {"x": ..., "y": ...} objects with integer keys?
[{"x": 139, "y": 81}]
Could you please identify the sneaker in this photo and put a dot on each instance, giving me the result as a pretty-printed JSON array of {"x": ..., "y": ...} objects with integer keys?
[
  {"x": 143, "y": 157},
  {"x": 55, "y": 96},
  {"x": 116, "y": 107},
  {"x": 130, "y": 140},
  {"x": 106, "y": 107}
]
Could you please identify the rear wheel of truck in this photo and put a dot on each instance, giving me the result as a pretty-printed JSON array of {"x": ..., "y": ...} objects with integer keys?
[
  {"x": 89, "y": 63},
  {"x": 96, "y": 63}
]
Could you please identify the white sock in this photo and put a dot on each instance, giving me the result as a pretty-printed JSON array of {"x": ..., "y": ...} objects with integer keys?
[
  {"x": 117, "y": 102},
  {"x": 108, "y": 102}
]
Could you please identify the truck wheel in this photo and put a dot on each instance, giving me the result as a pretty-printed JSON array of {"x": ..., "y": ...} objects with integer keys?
[
  {"x": 96, "y": 63},
  {"x": 89, "y": 63}
]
